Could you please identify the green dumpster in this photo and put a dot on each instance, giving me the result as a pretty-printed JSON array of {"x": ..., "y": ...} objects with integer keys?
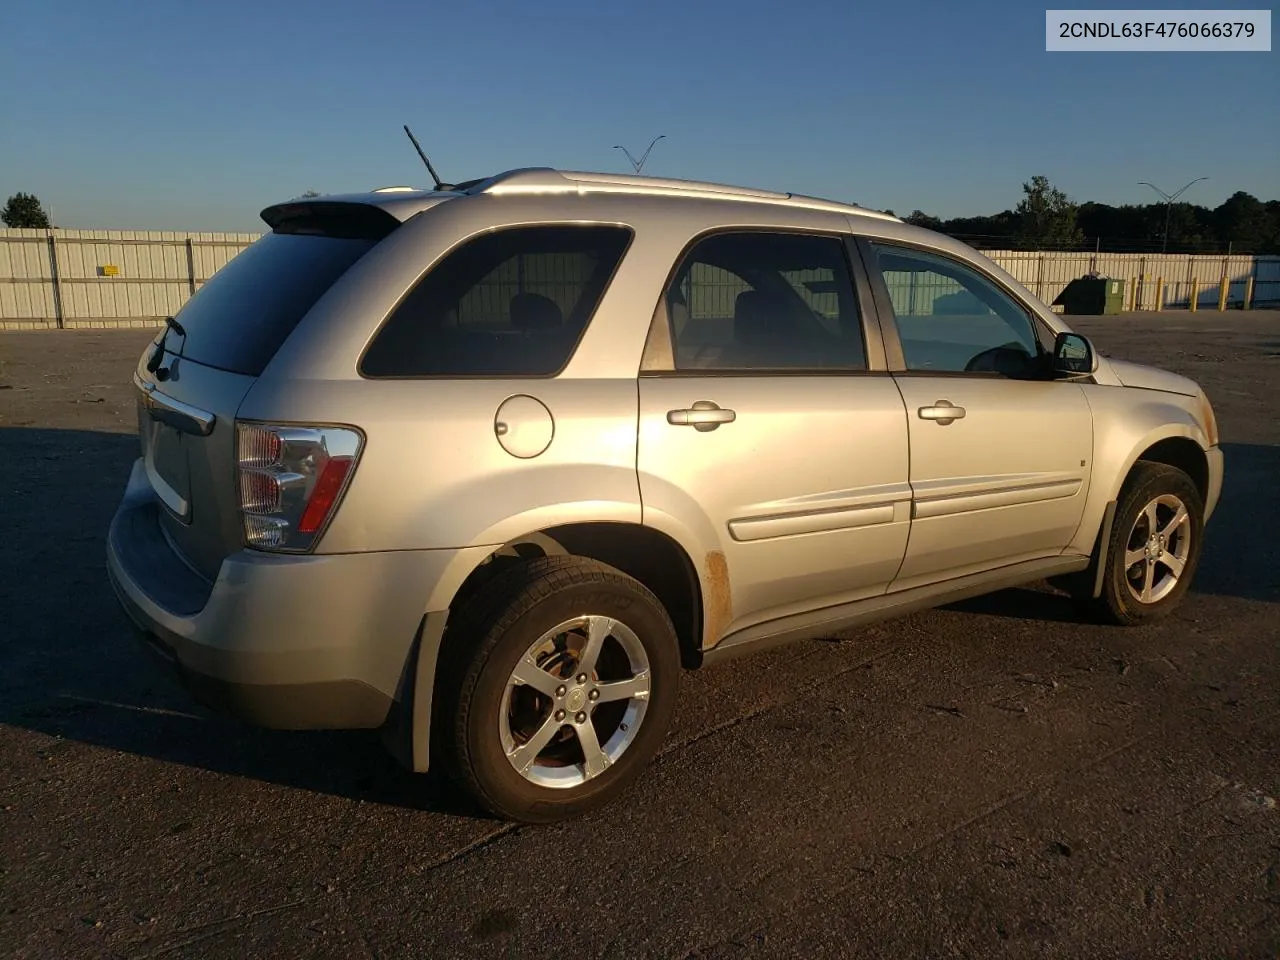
[
  {"x": 1091, "y": 296},
  {"x": 1114, "y": 297}
]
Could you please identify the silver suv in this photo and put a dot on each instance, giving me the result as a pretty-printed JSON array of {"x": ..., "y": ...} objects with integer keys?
[{"x": 486, "y": 467}]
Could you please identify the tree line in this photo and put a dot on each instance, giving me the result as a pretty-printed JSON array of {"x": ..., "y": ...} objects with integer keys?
[{"x": 1047, "y": 219}]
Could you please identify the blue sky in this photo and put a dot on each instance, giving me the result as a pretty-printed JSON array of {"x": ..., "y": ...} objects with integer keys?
[{"x": 186, "y": 115}]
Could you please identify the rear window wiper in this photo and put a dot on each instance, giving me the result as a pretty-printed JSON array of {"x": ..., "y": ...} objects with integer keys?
[{"x": 157, "y": 352}]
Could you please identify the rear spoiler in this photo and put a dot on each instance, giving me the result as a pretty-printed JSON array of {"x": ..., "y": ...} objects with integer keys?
[{"x": 327, "y": 218}]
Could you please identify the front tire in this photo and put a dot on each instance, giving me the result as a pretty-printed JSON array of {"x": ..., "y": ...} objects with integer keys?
[
  {"x": 557, "y": 688},
  {"x": 1155, "y": 545}
]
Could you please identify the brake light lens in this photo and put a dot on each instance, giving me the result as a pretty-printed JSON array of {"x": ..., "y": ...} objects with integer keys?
[
  {"x": 291, "y": 480},
  {"x": 332, "y": 479}
]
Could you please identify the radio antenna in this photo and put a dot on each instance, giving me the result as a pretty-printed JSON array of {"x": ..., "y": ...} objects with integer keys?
[{"x": 440, "y": 185}]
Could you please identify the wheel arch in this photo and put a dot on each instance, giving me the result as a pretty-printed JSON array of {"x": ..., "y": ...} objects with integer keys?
[
  {"x": 1183, "y": 453},
  {"x": 1123, "y": 435},
  {"x": 648, "y": 555},
  {"x": 1177, "y": 450}
]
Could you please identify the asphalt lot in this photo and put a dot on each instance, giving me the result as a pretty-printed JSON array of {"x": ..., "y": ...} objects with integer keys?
[{"x": 994, "y": 779}]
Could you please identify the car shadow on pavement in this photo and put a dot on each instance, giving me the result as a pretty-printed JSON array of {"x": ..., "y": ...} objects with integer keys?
[
  {"x": 1241, "y": 551},
  {"x": 1024, "y": 603},
  {"x": 71, "y": 668}
]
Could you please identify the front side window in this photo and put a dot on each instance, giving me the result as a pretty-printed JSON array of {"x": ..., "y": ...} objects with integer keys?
[
  {"x": 951, "y": 319},
  {"x": 765, "y": 301},
  {"x": 513, "y": 303}
]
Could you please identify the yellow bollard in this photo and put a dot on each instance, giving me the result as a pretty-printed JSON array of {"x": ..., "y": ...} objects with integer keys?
[
  {"x": 1159, "y": 294},
  {"x": 1223, "y": 286},
  {"x": 1133, "y": 293},
  {"x": 1248, "y": 293},
  {"x": 1195, "y": 292}
]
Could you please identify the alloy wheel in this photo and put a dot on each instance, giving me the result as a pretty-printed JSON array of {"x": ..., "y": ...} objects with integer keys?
[
  {"x": 574, "y": 702},
  {"x": 1157, "y": 549}
]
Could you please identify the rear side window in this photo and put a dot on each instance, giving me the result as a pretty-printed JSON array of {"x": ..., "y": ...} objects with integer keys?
[
  {"x": 765, "y": 301},
  {"x": 239, "y": 319},
  {"x": 513, "y": 303}
]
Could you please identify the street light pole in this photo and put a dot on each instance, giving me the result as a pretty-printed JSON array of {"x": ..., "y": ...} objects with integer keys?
[
  {"x": 1168, "y": 205},
  {"x": 639, "y": 164}
]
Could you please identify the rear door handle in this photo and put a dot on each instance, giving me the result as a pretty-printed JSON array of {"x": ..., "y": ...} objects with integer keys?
[
  {"x": 943, "y": 413},
  {"x": 702, "y": 416}
]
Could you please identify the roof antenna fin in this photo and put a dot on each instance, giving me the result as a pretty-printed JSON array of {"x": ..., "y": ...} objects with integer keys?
[{"x": 440, "y": 185}]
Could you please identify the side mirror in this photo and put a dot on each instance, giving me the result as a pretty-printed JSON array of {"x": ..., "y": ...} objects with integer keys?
[{"x": 1073, "y": 355}]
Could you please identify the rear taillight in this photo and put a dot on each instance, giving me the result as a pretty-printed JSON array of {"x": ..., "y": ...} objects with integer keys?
[{"x": 291, "y": 480}]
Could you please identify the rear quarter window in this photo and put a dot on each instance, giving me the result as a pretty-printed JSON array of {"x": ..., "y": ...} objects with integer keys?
[
  {"x": 513, "y": 303},
  {"x": 238, "y": 320}
]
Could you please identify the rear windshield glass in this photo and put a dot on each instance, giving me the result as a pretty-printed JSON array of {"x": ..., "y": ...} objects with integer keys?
[{"x": 238, "y": 319}]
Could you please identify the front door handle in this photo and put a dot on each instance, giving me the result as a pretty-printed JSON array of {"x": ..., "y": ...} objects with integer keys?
[
  {"x": 702, "y": 416},
  {"x": 943, "y": 413}
]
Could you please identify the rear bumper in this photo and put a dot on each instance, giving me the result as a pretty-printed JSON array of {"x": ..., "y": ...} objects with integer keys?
[
  {"x": 291, "y": 642},
  {"x": 322, "y": 705}
]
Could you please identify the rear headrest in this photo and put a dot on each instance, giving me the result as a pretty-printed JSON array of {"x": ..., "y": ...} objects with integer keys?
[
  {"x": 533, "y": 311},
  {"x": 679, "y": 314}
]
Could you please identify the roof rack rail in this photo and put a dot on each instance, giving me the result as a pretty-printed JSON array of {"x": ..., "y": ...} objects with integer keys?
[{"x": 547, "y": 180}]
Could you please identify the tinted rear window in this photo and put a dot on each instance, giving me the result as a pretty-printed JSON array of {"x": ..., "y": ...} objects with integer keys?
[
  {"x": 238, "y": 319},
  {"x": 513, "y": 303}
]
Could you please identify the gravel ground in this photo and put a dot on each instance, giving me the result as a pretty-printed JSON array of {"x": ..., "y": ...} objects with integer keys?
[{"x": 993, "y": 779}]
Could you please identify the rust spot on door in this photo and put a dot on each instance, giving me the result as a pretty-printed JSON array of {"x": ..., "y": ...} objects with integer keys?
[{"x": 719, "y": 599}]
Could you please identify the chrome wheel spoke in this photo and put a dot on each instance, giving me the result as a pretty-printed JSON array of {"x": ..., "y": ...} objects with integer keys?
[
  {"x": 633, "y": 688},
  {"x": 1178, "y": 519},
  {"x": 531, "y": 675},
  {"x": 1152, "y": 520},
  {"x": 1132, "y": 557},
  {"x": 597, "y": 629},
  {"x": 523, "y": 756},
  {"x": 595, "y": 760},
  {"x": 1174, "y": 564},
  {"x": 1148, "y": 578}
]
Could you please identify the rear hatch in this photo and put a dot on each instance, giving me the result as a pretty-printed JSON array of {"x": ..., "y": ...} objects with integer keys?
[{"x": 193, "y": 378}]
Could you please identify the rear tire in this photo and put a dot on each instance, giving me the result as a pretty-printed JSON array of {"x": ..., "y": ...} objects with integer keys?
[
  {"x": 557, "y": 685},
  {"x": 1154, "y": 548}
]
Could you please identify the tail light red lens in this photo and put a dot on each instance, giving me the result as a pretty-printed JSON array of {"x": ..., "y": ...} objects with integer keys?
[
  {"x": 291, "y": 480},
  {"x": 332, "y": 479}
]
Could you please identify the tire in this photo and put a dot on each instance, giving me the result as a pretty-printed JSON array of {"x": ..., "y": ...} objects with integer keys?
[
  {"x": 1128, "y": 597},
  {"x": 539, "y": 617}
]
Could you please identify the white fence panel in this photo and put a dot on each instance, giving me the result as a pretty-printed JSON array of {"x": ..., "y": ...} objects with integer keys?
[
  {"x": 125, "y": 277},
  {"x": 1046, "y": 274},
  {"x": 106, "y": 277}
]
